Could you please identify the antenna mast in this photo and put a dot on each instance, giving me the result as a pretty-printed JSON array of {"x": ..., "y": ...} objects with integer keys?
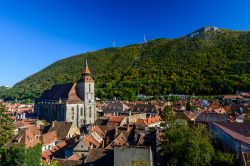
[{"x": 145, "y": 41}]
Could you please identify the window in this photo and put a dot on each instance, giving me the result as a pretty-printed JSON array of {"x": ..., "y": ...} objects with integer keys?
[
  {"x": 81, "y": 111},
  {"x": 89, "y": 87},
  {"x": 89, "y": 112},
  {"x": 82, "y": 121},
  {"x": 85, "y": 112},
  {"x": 72, "y": 112}
]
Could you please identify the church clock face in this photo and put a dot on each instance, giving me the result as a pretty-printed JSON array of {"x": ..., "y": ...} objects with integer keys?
[{"x": 89, "y": 95}]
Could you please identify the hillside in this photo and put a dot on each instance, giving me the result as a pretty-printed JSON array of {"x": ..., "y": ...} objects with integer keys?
[{"x": 212, "y": 61}]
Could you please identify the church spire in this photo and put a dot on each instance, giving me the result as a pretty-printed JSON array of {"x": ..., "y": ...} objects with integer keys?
[
  {"x": 86, "y": 68},
  {"x": 86, "y": 74}
]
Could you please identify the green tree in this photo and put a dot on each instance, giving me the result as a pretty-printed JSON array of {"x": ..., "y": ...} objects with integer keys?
[
  {"x": 188, "y": 105},
  {"x": 53, "y": 163},
  {"x": 184, "y": 145},
  {"x": 247, "y": 118},
  {"x": 6, "y": 126},
  {"x": 19, "y": 155},
  {"x": 223, "y": 159}
]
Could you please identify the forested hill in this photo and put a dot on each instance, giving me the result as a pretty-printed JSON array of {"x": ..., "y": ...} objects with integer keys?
[{"x": 208, "y": 61}]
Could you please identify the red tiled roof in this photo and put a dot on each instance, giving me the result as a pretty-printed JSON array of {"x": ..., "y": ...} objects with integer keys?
[
  {"x": 115, "y": 120},
  {"x": 23, "y": 122},
  {"x": 45, "y": 155},
  {"x": 120, "y": 140},
  {"x": 89, "y": 140},
  {"x": 28, "y": 136},
  {"x": 75, "y": 157},
  {"x": 49, "y": 137},
  {"x": 232, "y": 97},
  {"x": 61, "y": 144},
  {"x": 148, "y": 121}
]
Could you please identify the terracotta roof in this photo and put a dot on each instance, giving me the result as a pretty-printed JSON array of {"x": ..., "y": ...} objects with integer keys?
[
  {"x": 238, "y": 131},
  {"x": 98, "y": 130},
  {"x": 49, "y": 153},
  {"x": 75, "y": 157},
  {"x": 49, "y": 138},
  {"x": 44, "y": 155},
  {"x": 227, "y": 108},
  {"x": 61, "y": 128},
  {"x": 115, "y": 120},
  {"x": 232, "y": 97},
  {"x": 119, "y": 140},
  {"x": 61, "y": 144},
  {"x": 23, "y": 122},
  {"x": 109, "y": 131},
  {"x": 148, "y": 121},
  {"x": 28, "y": 136},
  {"x": 90, "y": 140}
]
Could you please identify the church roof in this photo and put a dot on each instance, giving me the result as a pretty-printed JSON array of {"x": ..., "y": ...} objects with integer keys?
[
  {"x": 65, "y": 92},
  {"x": 57, "y": 92}
]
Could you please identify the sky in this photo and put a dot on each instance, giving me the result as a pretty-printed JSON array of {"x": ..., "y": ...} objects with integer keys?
[{"x": 36, "y": 33}]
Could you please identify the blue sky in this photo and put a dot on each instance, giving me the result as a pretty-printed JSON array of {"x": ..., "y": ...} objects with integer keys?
[{"x": 36, "y": 33}]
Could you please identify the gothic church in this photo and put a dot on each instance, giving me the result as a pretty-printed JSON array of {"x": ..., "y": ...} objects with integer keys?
[{"x": 71, "y": 102}]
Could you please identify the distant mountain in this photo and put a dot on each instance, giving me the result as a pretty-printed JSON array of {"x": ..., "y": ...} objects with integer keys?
[
  {"x": 201, "y": 32},
  {"x": 208, "y": 61}
]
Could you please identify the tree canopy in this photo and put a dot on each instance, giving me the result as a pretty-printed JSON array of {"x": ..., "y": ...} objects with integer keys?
[
  {"x": 6, "y": 126},
  {"x": 185, "y": 145}
]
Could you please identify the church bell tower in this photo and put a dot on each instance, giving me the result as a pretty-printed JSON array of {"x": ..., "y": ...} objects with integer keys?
[
  {"x": 88, "y": 94},
  {"x": 89, "y": 85}
]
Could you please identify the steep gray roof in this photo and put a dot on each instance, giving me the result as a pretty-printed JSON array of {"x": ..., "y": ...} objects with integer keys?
[
  {"x": 211, "y": 117},
  {"x": 128, "y": 155},
  {"x": 60, "y": 91}
]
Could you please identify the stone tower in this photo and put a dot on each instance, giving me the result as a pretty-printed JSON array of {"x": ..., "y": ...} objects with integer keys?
[{"x": 86, "y": 91}]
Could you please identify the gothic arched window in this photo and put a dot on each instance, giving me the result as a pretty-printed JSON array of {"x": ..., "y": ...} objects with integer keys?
[
  {"x": 81, "y": 111},
  {"x": 85, "y": 112},
  {"x": 89, "y": 112},
  {"x": 72, "y": 113}
]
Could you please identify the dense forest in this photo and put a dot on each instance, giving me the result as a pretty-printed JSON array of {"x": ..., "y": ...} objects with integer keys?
[{"x": 212, "y": 62}]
